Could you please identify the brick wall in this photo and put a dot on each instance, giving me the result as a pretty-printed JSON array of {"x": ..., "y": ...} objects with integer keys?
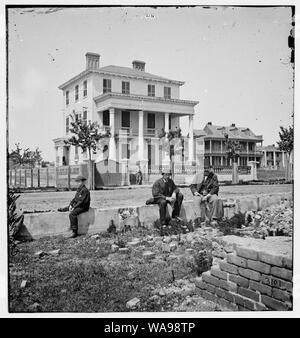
[{"x": 249, "y": 280}]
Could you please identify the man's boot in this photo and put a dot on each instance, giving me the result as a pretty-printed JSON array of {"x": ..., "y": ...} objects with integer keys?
[{"x": 74, "y": 234}]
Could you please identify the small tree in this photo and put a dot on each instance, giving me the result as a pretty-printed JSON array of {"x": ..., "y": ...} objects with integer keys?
[
  {"x": 25, "y": 157},
  {"x": 87, "y": 137},
  {"x": 286, "y": 144},
  {"x": 233, "y": 148}
]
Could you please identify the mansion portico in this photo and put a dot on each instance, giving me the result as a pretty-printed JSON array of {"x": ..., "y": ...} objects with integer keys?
[{"x": 133, "y": 104}]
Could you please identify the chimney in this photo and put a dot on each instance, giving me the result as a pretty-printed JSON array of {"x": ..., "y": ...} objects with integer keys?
[
  {"x": 209, "y": 123},
  {"x": 232, "y": 125},
  {"x": 138, "y": 65},
  {"x": 92, "y": 60}
]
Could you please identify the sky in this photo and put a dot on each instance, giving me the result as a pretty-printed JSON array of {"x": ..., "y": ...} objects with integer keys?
[{"x": 234, "y": 61}]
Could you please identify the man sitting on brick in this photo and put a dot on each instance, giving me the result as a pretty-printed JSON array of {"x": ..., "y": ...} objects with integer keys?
[
  {"x": 206, "y": 192},
  {"x": 79, "y": 204},
  {"x": 164, "y": 191}
]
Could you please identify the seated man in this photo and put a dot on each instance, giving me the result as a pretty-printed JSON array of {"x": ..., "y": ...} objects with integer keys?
[
  {"x": 164, "y": 191},
  {"x": 206, "y": 192},
  {"x": 79, "y": 204}
]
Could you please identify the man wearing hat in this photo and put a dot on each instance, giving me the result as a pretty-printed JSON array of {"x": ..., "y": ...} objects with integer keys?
[
  {"x": 206, "y": 192},
  {"x": 164, "y": 191},
  {"x": 79, "y": 204}
]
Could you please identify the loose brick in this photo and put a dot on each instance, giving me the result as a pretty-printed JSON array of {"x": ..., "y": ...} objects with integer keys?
[
  {"x": 281, "y": 295},
  {"x": 248, "y": 293},
  {"x": 228, "y": 285},
  {"x": 209, "y": 296},
  {"x": 262, "y": 288},
  {"x": 239, "y": 280},
  {"x": 239, "y": 261},
  {"x": 123, "y": 250},
  {"x": 148, "y": 254},
  {"x": 206, "y": 277},
  {"x": 282, "y": 273},
  {"x": 273, "y": 303},
  {"x": 270, "y": 259},
  {"x": 250, "y": 274},
  {"x": 218, "y": 273},
  {"x": 228, "y": 268},
  {"x": 277, "y": 283},
  {"x": 259, "y": 266},
  {"x": 246, "y": 253},
  {"x": 288, "y": 263}
]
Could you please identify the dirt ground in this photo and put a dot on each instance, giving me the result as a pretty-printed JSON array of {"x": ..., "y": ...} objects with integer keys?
[{"x": 130, "y": 197}]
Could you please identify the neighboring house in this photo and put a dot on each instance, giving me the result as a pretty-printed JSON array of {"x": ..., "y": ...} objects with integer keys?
[
  {"x": 215, "y": 148},
  {"x": 272, "y": 158},
  {"x": 133, "y": 104}
]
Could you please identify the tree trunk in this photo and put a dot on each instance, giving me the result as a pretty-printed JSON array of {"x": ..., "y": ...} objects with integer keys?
[
  {"x": 90, "y": 172},
  {"x": 235, "y": 178},
  {"x": 172, "y": 161}
]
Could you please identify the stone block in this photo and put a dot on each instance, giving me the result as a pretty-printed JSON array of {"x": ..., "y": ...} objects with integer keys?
[
  {"x": 218, "y": 273},
  {"x": 288, "y": 263},
  {"x": 259, "y": 266},
  {"x": 209, "y": 296},
  {"x": 248, "y": 293},
  {"x": 246, "y": 253},
  {"x": 277, "y": 283},
  {"x": 228, "y": 285},
  {"x": 262, "y": 288},
  {"x": 270, "y": 259},
  {"x": 206, "y": 277},
  {"x": 236, "y": 260},
  {"x": 282, "y": 273},
  {"x": 250, "y": 274},
  {"x": 249, "y": 304},
  {"x": 199, "y": 283},
  {"x": 241, "y": 281},
  {"x": 219, "y": 292},
  {"x": 228, "y": 296},
  {"x": 228, "y": 267},
  {"x": 281, "y": 295},
  {"x": 273, "y": 303},
  {"x": 260, "y": 307}
]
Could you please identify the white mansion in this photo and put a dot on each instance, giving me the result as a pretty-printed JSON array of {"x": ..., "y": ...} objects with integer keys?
[{"x": 133, "y": 104}]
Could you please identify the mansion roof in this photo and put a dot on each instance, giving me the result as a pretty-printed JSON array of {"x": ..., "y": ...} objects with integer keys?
[
  {"x": 218, "y": 132},
  {"x": 122, "y": 72}
]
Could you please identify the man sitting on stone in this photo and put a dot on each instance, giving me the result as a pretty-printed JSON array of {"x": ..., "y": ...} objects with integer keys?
[
  {"x": 164, "y": 191},
  {"x": 79, "y": 204},
  {"x": 206, "y": 192}
]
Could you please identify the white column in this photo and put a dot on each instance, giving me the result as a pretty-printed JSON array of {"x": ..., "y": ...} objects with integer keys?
[
  {"x": 283, "y": 162},
  {"x": 167, "y": 122},
  {"x": 191, "y": 138},
  {"x": 112, "y": 142},
  {"x": 274, "y": 159},
  {"x": 141, "y": 135},
  {"x": 265, "y": 159},
  {"x": 247, "y": 147}
]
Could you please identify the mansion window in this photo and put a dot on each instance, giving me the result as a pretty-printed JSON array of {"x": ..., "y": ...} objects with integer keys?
[
  {"x": 151, "y": 121},
  {"x": 105, "y": 120},
  {"x": 67, "y": 125},
  {"x": 84, "y": 88},
  {"x": 151, "y": 90},
  {"x": 125, "y": 87},
  {"x": 67, "y": 97},
  {"x": 106, "y": 86},
  {"x": 251, "y": 146},
  {"x": 125, "y": 119},
  {"x": 167, "y": 92},
  {"x": 76, "y": 92}
]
